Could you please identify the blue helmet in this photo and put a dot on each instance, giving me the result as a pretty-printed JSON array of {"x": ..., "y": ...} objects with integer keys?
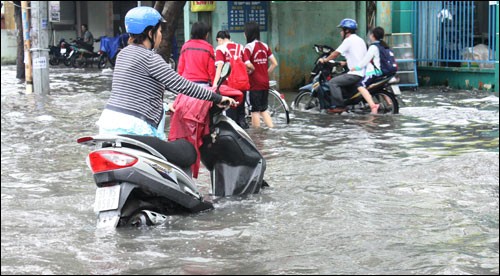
[
  {"x": 139, "y": 18},
  {"x": 348, "y": 23}
]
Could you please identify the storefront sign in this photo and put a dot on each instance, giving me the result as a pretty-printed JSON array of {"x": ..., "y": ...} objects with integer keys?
[
  {"x": 201, "y": 6},
  {"x": 241, "y": 12}
]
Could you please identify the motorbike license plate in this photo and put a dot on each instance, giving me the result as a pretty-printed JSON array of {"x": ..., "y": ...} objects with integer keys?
[
  {"x": 107, "y": 198},
  {"x": 63, "y": 51},
  {"x": 395, "y": 89}
]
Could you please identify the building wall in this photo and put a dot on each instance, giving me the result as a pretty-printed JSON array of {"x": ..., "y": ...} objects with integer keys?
[
  {"x": 9, "y": 46},
  {"x": 100, "y": 18},
  {"x": 458, "y": 78},
  {"x": 300, "y": 25},
  {"x": 9, "y": 22},
  {"x": 9, "y": 34},
  {"x": 402, "y": 14},
  {"x": 293, "y": 29}
]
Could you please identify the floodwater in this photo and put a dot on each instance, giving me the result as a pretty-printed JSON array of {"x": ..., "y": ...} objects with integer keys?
[{"x": 414, "y": 193}]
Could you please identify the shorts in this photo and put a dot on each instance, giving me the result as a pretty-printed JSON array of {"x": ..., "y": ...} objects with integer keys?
[
  {"x": 367, "y": 80},
  {"x": 258, "y": 100}
]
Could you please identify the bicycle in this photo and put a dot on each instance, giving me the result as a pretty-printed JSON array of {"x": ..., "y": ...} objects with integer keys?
[{"x": 278, "y": 108}]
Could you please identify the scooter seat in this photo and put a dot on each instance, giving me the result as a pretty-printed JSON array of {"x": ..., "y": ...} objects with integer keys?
[
  {"x": 380, "y": 81},
  {"x": 180, "y": 152}
]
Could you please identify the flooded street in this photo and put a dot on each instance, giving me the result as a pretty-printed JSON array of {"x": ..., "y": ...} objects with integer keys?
[{"x": 414, "y": 193}]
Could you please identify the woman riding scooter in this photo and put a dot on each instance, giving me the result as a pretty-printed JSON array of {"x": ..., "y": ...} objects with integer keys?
[{"x": 140, "y": 78}]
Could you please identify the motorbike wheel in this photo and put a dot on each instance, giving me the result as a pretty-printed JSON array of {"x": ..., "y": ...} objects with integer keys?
[
  {"x": 388, "y": 102},
  {"x": 67, "y": 61},
  {"x": 53, "y": 60},
  {"x": 139, "y": 219},
  {"x": 103, "y": 60},
  {"x": 306, "y": 102},
  {"x": 112, "y": 62},
  {"x": 134, "y": 213},
  {"x": 78, "y": 61}
]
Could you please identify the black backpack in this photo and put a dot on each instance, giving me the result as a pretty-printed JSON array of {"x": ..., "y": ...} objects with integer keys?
[{"x": 388, "y": 64}]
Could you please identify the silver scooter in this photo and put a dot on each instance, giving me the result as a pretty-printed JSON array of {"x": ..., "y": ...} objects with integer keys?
[{"x": 141, "y": 179}]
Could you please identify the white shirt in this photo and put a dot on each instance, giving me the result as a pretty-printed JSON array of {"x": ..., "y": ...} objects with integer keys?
[
  {"x": 353, "y": 48},
  {"x": 373, "y": 53}
]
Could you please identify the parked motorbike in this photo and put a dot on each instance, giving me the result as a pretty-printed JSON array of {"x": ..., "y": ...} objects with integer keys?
[
  {"x": 316, "y": 95},
  {"x": 60, "y": 53},
  {"x": 142, "y": 179},
  {"x": 110, "y": 47},
  {"x": 82, "y": 56},
  {"x": 322, "y": 51}
]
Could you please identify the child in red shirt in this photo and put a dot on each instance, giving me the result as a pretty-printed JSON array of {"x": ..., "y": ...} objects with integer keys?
[
  {"x": 190, "y": 120},
  {"x": 223, "y": 53},
  {"x": 196, "y": 61},
  {"x": 257, "y": 56}
]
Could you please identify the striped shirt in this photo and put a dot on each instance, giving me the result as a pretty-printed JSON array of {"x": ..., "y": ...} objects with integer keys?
[{"x": 139, "y": 80}]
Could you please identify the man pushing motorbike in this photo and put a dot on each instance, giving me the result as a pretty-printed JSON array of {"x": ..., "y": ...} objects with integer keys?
[{"x": 353, "y": 48}]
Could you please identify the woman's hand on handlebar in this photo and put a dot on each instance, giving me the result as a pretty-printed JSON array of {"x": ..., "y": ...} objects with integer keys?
[
  {"x": 171, "y": 107},
  {"x": 226, "y": 102}
]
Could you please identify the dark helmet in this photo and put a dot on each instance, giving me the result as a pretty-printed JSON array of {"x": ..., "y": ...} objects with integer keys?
[
  {"x": 139, "y": 18},
  {"x": 348, "y": 23}
]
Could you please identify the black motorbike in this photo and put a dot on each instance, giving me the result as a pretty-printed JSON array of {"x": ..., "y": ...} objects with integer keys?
[
  {"x": 142, "y": 179},
  {"x": 109, "y": 49},
  {"x": 315, "y": 97},
  {"x": 323, "y": 51},
  {"x": 83, "y": 54},
  {"x": 60, "y": 53}
]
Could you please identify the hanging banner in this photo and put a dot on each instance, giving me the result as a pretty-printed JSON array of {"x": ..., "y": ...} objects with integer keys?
[
  {"x": 54, "y": 11},
  {"x": 202, "y": 6}
]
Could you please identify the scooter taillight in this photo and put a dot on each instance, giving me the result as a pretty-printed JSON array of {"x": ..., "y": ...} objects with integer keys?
[{"x": 106, "y": 160}]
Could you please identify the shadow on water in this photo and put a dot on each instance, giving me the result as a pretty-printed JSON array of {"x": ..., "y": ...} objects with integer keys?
[{"x": 414, "y": 193}]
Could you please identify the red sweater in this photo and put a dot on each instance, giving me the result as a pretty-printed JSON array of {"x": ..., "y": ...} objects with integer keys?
[{"x": 196, "y": 62}]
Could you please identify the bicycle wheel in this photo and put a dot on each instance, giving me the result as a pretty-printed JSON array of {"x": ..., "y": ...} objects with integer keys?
[
  {"x": 306, "y": 102},
  {"x": 278, "y": 108},
  {"x": 388, "y": 102}
]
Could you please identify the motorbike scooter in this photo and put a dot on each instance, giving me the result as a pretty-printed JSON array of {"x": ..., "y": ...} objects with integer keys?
[
  {"x": 316, "y": 95},
  {"x": 83, "y": 55},
  {"x": 62, "y": 52},
  {"x": 110, "y": 47},
  {"x": 142, "y": 179}
]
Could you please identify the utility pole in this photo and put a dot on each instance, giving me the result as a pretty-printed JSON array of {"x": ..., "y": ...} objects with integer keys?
[
  {"x": 39, "y": 50},
  {"x": 27, "y": 46}
]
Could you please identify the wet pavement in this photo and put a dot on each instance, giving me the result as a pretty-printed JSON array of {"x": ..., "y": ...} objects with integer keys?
[{"x": 414, "y": 193}]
